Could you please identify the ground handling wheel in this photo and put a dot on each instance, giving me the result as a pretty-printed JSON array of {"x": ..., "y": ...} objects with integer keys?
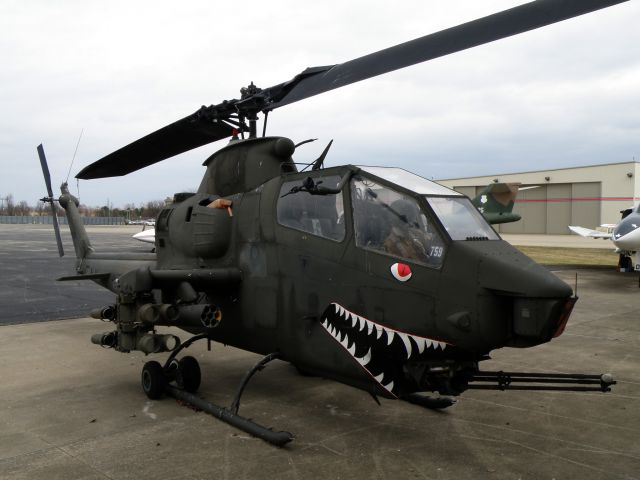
[
  {"x": 153, "y": 380},
  {"x": 189, "y": 375}
]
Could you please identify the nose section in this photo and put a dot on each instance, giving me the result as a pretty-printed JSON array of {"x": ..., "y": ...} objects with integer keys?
[
  {"x": 515, "y": 274},
  {"x": 626, "y": 236},
  {"x": 539, "y": 303},
  {"x": 538, "y": 320}
]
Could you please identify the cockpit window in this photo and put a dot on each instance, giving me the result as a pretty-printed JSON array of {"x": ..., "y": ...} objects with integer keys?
[
  {"x": 320, "y": 215},
  {"x": 392, "y": 223},
  {"x": 461, "y": 219}
]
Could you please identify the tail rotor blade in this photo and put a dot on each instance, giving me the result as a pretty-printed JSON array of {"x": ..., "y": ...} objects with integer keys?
[
  {"x": 56, "y": 229},
  {"x": 50, "y": 199},
  {"x": 45, "y": 170}
]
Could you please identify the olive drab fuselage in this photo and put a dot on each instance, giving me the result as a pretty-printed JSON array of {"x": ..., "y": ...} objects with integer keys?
[{"x": 309, "y": 274}]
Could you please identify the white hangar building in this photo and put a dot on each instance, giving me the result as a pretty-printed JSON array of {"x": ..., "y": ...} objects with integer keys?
[{"x": 586, "y": 196}]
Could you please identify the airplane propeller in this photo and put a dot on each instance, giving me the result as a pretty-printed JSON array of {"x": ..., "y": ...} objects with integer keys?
[{"x": 50, "y": 199}]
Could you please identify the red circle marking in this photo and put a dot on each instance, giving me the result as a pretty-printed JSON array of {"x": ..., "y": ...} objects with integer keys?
[{"x": 403, "y": 270}]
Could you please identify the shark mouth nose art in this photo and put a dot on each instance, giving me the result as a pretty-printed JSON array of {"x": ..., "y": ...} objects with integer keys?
[{"x": 378, "y": 349}]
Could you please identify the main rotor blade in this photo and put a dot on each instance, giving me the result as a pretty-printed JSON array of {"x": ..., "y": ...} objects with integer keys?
[
  {"x": 45, "y": 170},
  {"x": 181, "y": 136},
  {"x": 208, "y": 124},
  {"x": 477, "y": 32}
]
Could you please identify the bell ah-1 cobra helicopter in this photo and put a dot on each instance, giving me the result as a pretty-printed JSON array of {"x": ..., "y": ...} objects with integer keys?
[{"x": 371, "y": 276}]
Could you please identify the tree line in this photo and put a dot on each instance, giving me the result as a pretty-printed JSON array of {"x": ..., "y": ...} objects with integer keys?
[{"x": 9, "y": 207}]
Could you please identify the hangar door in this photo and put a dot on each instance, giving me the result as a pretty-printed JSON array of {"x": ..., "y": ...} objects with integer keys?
[
  {"x": 551, "y": 208},
  {"x": 559, "y": 202},
  {"x": 586, "y": 204},
  {"x": 532, "y": 206}
]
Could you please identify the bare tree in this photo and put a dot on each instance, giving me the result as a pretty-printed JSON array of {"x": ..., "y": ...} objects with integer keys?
[
  {"x": 23, "y": 209},
  {"x": 152, "y": 209},
  {"x": 9, "y": 205}
]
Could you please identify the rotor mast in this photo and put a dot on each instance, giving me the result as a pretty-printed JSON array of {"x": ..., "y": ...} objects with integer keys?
[{"x": 248, "y": 107}]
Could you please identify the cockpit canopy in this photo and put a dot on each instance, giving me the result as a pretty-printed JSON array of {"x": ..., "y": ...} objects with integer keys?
[
  {"x": 458, "y": 216},
  {"x": 394, "y": 212}
]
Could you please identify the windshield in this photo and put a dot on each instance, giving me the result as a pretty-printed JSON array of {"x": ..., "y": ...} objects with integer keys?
[
  {"x": 461, "y": 219},
  {"x": 392, "y": 223}
]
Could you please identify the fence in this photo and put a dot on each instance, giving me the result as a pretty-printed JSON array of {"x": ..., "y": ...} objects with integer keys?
[{"x": 48, "y": 219}]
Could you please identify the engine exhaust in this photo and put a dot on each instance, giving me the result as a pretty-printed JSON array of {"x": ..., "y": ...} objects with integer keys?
[
  {"x": 105, "y": 313},
  {"x": 162, "y": 314},
  {"x": 107, "y": 339}
]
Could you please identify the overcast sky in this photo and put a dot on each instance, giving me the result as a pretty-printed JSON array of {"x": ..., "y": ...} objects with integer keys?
[{"x": 564, "y": 95}]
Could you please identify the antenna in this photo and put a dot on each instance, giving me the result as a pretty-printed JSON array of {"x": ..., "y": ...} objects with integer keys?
[{"x": 74, "y": 155}]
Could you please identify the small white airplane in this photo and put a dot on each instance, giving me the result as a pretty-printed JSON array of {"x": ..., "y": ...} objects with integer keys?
[
  {"x": 148, "y": 222},
  {"x": 147, "y": 236},
  {"x": 624, "y": 235}
]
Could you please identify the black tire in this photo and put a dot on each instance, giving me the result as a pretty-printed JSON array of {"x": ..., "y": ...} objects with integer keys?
[
  {"x": 153, "y": 380},
  {"x": 189, "y": 374}
]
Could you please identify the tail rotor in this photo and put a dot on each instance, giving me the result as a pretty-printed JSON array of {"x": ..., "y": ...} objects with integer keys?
[{"x": 50, "y": 199}]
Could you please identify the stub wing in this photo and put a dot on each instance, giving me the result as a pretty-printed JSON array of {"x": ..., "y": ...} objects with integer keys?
[{"x": 587, "y": 232}]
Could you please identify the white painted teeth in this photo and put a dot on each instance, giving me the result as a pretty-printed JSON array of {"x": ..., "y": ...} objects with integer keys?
[
  {"x": 390, "y": 334},
  {"x": 361, "y": 324},
  {"x": 407, "y": 343},
  {"x": 371, "y": 328},
  {"x": 364, "y": 360}
]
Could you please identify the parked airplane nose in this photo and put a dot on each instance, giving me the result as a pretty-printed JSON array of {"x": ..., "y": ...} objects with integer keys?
[{"x": 626, "y": 235}]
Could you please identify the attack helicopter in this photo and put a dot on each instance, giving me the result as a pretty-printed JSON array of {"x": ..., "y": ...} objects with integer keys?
[{"x": 371, "y": 276}]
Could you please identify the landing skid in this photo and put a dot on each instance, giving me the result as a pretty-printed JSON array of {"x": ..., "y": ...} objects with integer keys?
[{"x": 186, "y": 375}]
